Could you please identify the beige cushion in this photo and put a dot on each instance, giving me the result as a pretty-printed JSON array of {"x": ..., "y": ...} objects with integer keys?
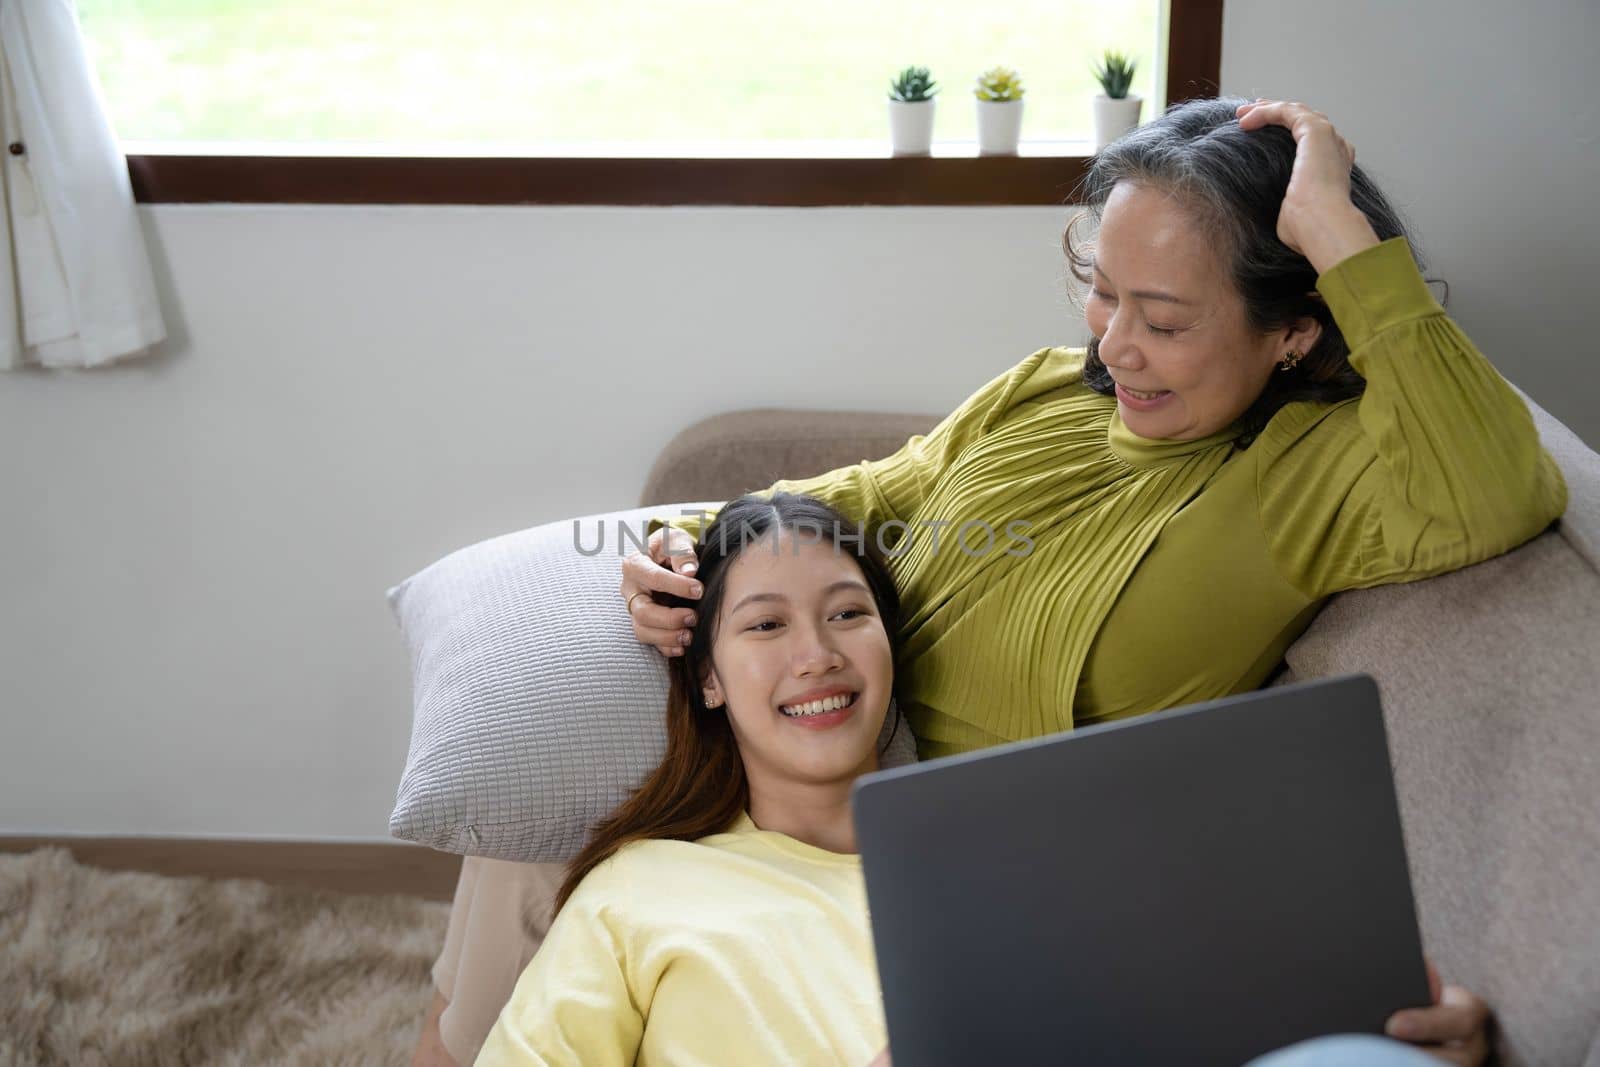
[{"x": 1491, "y": 690}]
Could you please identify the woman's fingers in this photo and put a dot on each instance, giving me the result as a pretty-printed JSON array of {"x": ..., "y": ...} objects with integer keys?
[
  {"x": 1455, "y": 1029},
  {"x": 1459, "y": 1023},
  {"x": 663, "y": 570},
  {"x": 1318, "y": 219},
  {"x": 662, "y": 625},
  {"x": 1283, "y": 113},
  {"x": 1299, "y": 120},
  {"x": 674, "y": 549},
  {"x": 668, "y": 642},
  {"x": 1475, "y": 1007}
]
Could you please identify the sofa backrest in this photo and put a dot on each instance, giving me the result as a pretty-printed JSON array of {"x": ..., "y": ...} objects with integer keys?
[
  {"x": 1491, "y": 688},
  {"x": 742, "y": 451}
]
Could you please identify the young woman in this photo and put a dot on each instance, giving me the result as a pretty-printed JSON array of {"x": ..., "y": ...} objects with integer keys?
[{"x": 719, "y": 916}]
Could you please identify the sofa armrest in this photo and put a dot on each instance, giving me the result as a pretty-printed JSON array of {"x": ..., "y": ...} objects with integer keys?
[{"x": 742, "y": 451}]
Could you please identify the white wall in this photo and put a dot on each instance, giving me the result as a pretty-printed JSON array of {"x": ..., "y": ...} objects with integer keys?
[
  {"x": 1482, "y": 122},
  {"x": 194, "y": 549},
  {"x": 193, "y": 632}
]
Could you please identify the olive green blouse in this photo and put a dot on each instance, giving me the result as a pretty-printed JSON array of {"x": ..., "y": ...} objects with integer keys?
[{"x": 1126, "y": 574}]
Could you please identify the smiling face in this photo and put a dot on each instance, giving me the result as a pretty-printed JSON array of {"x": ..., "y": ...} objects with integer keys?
[
  {"x": 798, "y": 633},
  {"x": 1172, "y": 329}
]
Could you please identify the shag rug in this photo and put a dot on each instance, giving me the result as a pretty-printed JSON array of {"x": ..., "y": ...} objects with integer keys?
[{"x": 102, "y": 969}]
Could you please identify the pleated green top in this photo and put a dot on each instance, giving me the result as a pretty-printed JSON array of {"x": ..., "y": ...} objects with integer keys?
[{"x": 1157, "y": 573}]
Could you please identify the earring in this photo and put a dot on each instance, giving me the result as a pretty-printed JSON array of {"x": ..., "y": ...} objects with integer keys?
[
  {"x": 1290, "y": 359},
  {"x": 709, "y": 703}
]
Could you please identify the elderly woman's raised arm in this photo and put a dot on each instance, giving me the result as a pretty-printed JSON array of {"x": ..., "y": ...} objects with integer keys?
[{"x": 1446, "y": 469}]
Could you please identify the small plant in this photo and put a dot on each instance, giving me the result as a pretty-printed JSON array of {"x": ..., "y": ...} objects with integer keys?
[
  {"x": 1115, "y": 74},
  {"x": 998, "y": 84},
  {"x": 913, "y": 85}
]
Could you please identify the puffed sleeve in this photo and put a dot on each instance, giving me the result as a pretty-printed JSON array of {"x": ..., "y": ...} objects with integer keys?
[
  {"x": 1439, "y": 465},
  {"x": 873, "y": 492},
  {"x": 573, "y": 1005}
]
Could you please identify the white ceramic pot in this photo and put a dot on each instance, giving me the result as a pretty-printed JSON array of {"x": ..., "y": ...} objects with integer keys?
[
  {"x": 911, "y": 127},
  {"x": 1113, "y": 118},
  {"x": 999, "y": 127}
]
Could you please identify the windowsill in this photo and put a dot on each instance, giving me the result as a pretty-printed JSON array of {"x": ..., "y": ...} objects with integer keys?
[
  {"x": 707, "y": 149},
  {"x": 959, "y": 178}
]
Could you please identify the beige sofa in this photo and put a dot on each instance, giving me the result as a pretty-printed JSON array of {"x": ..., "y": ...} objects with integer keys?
[{"x": 1491, "y": 686}]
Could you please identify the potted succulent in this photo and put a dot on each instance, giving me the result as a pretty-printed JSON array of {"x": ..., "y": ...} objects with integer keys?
[
  {"x": 999, "y": 92},
  {"x": 911, "y": 112},
  {"x": 1115, "y": 111}
]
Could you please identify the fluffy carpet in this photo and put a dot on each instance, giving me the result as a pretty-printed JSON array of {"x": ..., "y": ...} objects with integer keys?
[{"x": 101, "y": 968}]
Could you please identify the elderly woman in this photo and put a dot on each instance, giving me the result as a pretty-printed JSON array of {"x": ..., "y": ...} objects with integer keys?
[{"x": 1272, "y": 408}]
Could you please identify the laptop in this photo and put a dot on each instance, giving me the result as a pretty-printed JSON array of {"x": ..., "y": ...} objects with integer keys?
[{"x": 1195, "y": 887}]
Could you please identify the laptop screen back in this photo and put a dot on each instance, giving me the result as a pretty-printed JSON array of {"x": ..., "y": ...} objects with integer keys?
[{"x": 1199, "y": 887}]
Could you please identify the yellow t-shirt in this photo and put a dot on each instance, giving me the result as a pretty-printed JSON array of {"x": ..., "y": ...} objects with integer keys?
[{"x": 742, "y": 948}]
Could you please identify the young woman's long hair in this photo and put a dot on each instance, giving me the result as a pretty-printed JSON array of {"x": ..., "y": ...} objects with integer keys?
[{"x": 700, "y": 787}]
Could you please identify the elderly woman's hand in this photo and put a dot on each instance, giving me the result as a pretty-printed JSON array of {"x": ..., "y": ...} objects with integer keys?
[
  {"x": 1317, "y": 219},
  {"x": 1455, "y": 1029},
  {"x": 666, "y": 568}
]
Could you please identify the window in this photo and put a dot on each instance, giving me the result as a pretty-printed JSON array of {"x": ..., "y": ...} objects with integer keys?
[
  {"x": 546, "y": 101},
  {"x": 555, "y": 74}
]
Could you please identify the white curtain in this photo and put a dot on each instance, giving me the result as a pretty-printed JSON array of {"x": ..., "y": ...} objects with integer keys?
[{"x": 76, "y": 289}]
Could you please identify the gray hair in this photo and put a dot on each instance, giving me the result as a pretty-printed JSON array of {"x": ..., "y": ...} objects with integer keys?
[{"x": 1233, "y": 184}]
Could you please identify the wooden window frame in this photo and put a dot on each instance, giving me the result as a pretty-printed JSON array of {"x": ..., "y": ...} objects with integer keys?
[{"x": 1194, "y": 61}]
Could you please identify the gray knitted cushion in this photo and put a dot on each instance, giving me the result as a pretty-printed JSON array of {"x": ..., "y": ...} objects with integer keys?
[{"x": 536, "y": 710}]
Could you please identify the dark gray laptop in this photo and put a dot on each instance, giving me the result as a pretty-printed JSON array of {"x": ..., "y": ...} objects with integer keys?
[{"x": 1195, "y": 887}]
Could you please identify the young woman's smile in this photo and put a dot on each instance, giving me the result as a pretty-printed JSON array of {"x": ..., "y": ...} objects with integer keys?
[{"x": 821, "y": 710}]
